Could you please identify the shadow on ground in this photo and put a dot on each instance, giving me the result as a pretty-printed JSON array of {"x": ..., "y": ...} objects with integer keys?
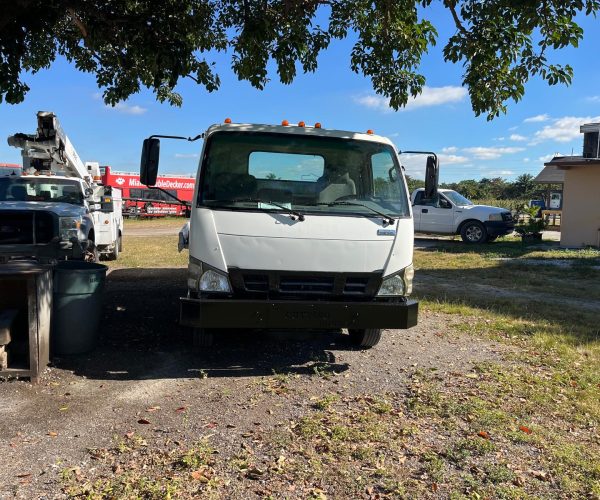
[{"x": 140, "y": 338}]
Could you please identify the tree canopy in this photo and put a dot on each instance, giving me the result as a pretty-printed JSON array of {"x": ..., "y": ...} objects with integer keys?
[
  {"x": 496, "y": 188},
  {"x": 130, "y": 44}
]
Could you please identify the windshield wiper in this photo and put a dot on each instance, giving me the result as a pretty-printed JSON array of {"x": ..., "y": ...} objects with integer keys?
[
  {"x": 387, "y": 219},
  {"x": 293, "y": 213}
]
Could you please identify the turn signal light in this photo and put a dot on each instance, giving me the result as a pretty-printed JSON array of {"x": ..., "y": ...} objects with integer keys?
[
  {"x": 227, "y": 120},
  {"x": 285, "y": 123}
]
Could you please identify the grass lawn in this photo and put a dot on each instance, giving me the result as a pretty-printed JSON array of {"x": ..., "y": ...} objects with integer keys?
[
  {"x": 524, "y": 426},
  {"x": 151, "y": 222},
  {"x": 147, "y": 252}
]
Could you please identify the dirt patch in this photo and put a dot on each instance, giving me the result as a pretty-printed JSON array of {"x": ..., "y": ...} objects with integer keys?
[
  {"x": 143, "y": 371},
  {"x": 428, "y": 283}
]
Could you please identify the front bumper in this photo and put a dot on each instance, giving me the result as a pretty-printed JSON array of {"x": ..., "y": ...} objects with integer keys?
[
  {"x": 499, "y": 227},
  {"x": 232, "y": 313},
  {"x": 55, "y": 250}
]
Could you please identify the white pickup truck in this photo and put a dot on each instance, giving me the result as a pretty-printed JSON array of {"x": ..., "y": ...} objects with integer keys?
[{"x": 451, "y": 213}]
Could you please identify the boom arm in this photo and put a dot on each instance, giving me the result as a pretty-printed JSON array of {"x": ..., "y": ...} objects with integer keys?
[{"x": 50, "y": 149}]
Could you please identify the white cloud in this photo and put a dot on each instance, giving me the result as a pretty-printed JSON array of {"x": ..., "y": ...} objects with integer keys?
[
  {"x": 430, "y": 96},
  {"x": 517, "y": 137},
  {"x": 513, "y": 128},
  {"x": 537, "y": 118},
  {"x": 186, "y": 155},
  {"x": 452, "y": 159},
  {"x": 491, "y": 153},
  {"x": 128, "y": 109},
  {"x": 545, "y": 158},
  {"x": 563, "y": 129},
  {"x": 450, "y": 149},
  {"x": 526, "y": 160},
  {"x": 501, "y": 173},
  {"x": 499, "y": 138},
  {"x": 593, "y": 98}
]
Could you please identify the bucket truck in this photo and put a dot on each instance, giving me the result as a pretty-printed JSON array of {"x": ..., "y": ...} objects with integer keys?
[{"x": 56, "y": 207}]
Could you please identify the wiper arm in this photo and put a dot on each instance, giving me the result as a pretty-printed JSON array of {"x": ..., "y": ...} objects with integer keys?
[
  {"x": 293, "y": 213},
  {"x": 387, "y": 219}
]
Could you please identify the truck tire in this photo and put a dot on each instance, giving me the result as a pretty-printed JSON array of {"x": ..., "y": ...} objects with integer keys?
[
  {"x": 473, "y": 232},
  {"x": 114, "y": 255},
  {"x": 366, "y": 338},
  {"x": 120, "y": 242},
  {"x": 202, "y": 338},
  {"x": 91, "y": 253}
]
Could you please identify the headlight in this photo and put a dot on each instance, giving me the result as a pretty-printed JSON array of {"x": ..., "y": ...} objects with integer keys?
[
  {"x": 213, "y": 281},
  {"x": 69, "y": 227},
  {"x": 399, "y": 284},
  {"x": 204, "y": 278},
  {"x": 495, "y": 217}
]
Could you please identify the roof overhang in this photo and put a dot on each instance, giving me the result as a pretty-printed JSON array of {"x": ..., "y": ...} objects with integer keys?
[{"x": 567, "y": 162}]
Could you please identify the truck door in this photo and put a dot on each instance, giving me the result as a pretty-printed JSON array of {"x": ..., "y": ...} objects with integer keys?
[
  {"x": 417, "y": 210},
  {"x": 435, "y": 215}
]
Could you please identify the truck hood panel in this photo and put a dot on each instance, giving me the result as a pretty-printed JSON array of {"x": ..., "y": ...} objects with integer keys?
[
  {"x": 272, "y": 241},
  {"x": 319, "y": 255},
  {"x": 278, "y": 225},
  {"x": 60, "y": 209}
]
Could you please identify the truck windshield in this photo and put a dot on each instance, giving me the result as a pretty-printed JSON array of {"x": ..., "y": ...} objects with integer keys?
[
  {"x": 303, "y": 173},
  {"x": 457, "y": 199},
  {"x": 40, "y": 189}
]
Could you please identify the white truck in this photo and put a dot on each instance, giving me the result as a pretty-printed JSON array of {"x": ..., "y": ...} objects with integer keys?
[
  {"x": 450, "y": 213},
  {"x": 55, "y": 207},
  {"x": 297, "y": 227}
]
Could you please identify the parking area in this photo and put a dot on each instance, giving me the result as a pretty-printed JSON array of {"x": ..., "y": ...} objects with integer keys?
[{"x": 466, "y": 402}]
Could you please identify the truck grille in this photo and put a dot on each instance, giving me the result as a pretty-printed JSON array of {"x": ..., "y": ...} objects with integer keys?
[
  {"x": 298, "y": 285},
  {"x": 25, "y": 227},
  {"x": 308, "y": 285}
]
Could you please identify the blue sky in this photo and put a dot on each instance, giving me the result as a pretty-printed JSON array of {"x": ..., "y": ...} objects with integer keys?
[{"x": 545, "y": 122}]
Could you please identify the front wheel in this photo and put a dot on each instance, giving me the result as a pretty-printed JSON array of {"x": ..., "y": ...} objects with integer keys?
[
  {"x": 91, "y": 253},
  {"x": 366, "y": 338},
  {"x": 473, "y": 232}
]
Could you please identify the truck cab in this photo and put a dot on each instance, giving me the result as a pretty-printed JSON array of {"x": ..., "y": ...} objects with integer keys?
[
  {"x": 449, "y": 213},
  {"x": 297, "y": 227},
  {"x": 50, "y": 217}
]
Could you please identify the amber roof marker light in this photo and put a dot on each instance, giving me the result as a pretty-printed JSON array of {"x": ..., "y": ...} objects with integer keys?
[
  {"x": 285, "y": 123},
  {"x": 227, "y": 120},
  {"x": 301, "y": 124},
  {"x": 370, "y": 132},
  {"x": 317, "y": 125}
]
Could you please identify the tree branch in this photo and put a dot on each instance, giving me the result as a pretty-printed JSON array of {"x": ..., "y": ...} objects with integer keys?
[
  {"x": 451, "y": 4},
  {"x": 78, "y": 22}
]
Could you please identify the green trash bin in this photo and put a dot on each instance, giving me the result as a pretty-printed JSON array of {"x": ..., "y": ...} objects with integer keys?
[{"x": 77, "y": 306}]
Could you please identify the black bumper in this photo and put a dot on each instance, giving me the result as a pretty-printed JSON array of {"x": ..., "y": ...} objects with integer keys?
[
  {"x": 499, "y": 228},
  {"x": 231, "y": 313}
]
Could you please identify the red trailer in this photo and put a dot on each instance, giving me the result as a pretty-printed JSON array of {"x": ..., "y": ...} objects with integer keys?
[
  {"x": 141, "y": 201},
  {"x": 10, "y": 169}
]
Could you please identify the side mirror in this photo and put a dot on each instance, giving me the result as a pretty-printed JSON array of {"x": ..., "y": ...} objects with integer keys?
[
  {"x": 431, "y": 177},
  {"x": 88, "y": 192},
  {"x": 149, "y": 161}
]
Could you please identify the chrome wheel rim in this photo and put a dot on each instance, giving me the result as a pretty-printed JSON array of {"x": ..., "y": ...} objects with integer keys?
[{"x": 474, "y": 233}]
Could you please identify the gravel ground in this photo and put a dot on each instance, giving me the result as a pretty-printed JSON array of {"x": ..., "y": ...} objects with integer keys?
[{"x": 143, "y": 368}]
